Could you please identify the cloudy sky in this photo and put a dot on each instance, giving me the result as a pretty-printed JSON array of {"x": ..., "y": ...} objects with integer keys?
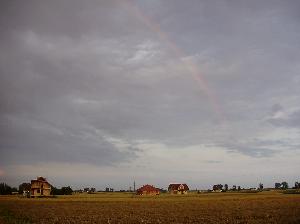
[{"x": 102, "y": 93}]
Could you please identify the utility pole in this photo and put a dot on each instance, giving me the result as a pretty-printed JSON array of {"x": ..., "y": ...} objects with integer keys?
[{"x": 134, "y": 186}]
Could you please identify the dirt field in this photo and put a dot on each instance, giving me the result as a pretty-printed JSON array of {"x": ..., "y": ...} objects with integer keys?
[{"x": 263, "y": 207}]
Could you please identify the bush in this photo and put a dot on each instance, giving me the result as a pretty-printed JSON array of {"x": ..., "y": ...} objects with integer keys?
[
  {"x": 24, "y": 187},
  {"x": 63, "y": 191}
]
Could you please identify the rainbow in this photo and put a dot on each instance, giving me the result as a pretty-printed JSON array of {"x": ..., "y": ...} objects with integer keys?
[{"x": 189, "y": 65}]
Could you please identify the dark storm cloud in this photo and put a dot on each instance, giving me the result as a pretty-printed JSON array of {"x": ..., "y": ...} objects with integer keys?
[{"x": 87, "y": 81}]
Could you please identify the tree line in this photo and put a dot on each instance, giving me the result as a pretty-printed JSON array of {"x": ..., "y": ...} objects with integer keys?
[
  {"x": 5, "y": 189},
  {"x": 283, "y": 186},
  {"x": 219, "y": 187}
]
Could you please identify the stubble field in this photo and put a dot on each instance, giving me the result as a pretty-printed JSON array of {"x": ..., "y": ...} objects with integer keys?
[{"x": 263, "y": 207}]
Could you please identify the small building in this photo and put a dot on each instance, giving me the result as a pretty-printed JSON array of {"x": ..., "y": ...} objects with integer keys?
[
  {"x": 147, "y": 190},
  {"x": 178, "y": 188},
  {"x": 40, "y": 188}
]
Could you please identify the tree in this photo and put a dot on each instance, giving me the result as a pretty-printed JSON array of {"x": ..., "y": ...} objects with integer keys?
[
  {"x": 63, "y": 191},
  {"x": 284, "y": 185},
  {"x": 55, "y": 191},
  {"x": 234, "y": 187},
  {"x": 260, "y": 186},
  {"x": 225, "y": 187},
  {"x": 24, "y": 187},
  {"x": 66, "y": 190},
  {"x": 297, "y": 185},
  {"x": 277, "y": 185},
  {"x": 5, "y": 189},
  {"x": 217, "y": 187},
  {"x": 239, "y": 188}
]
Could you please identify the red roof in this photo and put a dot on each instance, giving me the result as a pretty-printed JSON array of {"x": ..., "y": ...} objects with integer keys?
[
  {"x": 178, "y": 187},
  {"x": 147, "y": 188}
]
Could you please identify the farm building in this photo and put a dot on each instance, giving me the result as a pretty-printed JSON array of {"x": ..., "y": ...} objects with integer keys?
[
  {"x": 40, "y": 187},
  {"x": 147, "y": 190},
  {"x": 178, "y": 188}
]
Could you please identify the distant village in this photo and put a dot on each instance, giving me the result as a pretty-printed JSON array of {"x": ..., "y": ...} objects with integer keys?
[{"x": 40, "y": 187}]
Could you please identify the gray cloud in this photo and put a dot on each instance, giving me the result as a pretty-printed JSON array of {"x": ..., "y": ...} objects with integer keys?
[
  {"x": 87, "y": 82},
  {"x": 25, "y": 140},
  {"x": 292, "y": 120},
  {"x": 261, "y": 148},
  {"x": 250, "y": 149}
]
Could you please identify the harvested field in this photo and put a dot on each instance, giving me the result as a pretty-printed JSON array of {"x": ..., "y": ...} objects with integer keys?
[{"x": 263, "y": 207}]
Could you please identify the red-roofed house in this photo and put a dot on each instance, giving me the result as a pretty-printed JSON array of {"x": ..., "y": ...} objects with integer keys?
[
  {"x": 40, "y": 187},
  {"x": 178, "y": 188},
  {"x": 147, "y": 190}
]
